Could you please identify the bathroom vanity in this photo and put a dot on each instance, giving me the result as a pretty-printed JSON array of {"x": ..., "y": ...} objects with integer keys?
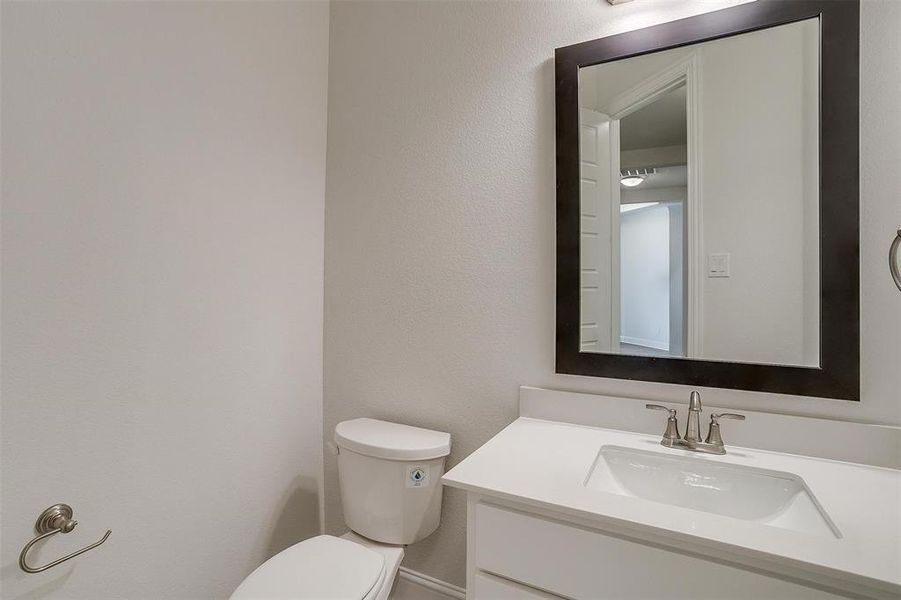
[{"x": 564, "y": 509}]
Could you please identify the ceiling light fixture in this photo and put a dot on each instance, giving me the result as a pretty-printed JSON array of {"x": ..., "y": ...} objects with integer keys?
[{"x": 631, "y": 178}]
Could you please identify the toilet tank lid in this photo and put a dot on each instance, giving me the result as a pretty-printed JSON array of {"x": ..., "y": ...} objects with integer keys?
[{"x": 392, "y": 441}]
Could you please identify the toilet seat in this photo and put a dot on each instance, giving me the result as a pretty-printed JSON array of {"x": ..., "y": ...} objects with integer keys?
[{"x": 317, "y": 569}]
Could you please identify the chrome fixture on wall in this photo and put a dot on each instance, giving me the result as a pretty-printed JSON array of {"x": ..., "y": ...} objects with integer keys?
[
  {"x": 56, "y": 519},
  {"x": 893, "y": 260}
]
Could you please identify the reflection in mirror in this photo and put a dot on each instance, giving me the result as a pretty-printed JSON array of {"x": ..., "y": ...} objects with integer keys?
[{"x": 688, "y": 159}]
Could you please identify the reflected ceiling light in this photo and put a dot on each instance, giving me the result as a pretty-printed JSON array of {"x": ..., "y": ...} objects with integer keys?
[
  {"x": 624, "y": 208},
  {"x": 633, "y": 177}
]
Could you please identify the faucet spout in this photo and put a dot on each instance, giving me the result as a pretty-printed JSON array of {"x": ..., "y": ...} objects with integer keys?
[{"x": 693, "y": 429}]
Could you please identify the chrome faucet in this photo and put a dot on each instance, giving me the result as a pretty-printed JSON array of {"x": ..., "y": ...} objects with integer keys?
[
  {"x": 692, "y": 439},
  {"x": 693, "y": 428}
]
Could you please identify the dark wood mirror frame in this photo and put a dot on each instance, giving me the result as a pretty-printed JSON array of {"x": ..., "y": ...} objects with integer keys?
[{"x": 838, "y": 375}]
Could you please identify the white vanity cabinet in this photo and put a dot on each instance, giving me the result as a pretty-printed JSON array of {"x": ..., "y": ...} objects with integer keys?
[
  {"x": 564, "y": 510},
  {"x": 516, "y": 553},
  {"x": 568, "y": 510}
]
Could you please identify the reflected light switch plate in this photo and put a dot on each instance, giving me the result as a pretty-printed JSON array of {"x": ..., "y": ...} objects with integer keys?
[{"x": 718, "y": 265}]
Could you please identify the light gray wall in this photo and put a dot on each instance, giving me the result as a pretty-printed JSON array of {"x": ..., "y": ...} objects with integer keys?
[
  {"x": 440, "y": 224},
  {"x": 644, "y": 240},
  {"x": 163, "y": 189},
  {"x": 756, "y": 152}
]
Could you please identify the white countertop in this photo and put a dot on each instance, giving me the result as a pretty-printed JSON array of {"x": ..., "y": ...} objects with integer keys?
[{"x": 544, "y": 464}]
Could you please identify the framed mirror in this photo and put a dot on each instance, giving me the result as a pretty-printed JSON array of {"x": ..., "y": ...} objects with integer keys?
[{"x": 707, "y": 201}]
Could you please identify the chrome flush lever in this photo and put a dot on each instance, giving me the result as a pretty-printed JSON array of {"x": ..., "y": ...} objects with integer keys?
[{"x": 671, "y": 435}]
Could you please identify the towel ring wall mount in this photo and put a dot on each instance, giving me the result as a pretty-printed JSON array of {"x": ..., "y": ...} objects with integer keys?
[
  {"x": 56, "y": 519},
  {"x": 894, "y": 259}
]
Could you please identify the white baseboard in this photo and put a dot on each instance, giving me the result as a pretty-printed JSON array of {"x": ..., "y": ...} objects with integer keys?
[
  {"x": 656, "y": 344},
  {"x": 413, "y": 585}
]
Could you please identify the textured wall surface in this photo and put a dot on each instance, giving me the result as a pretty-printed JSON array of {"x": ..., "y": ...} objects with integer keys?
[
  {"x": 440, "y": 223},
  {"x": 163, "y": 189}
]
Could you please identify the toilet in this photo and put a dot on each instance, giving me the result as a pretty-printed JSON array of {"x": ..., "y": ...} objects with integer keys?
[{"x": 390, "y": 480}]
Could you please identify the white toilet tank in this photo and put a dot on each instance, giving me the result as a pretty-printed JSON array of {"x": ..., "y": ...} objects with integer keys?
[{"x": 390, "y": 478}]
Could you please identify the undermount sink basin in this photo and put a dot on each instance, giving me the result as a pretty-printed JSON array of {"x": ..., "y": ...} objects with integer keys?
[{"x": 747, "y": 493}]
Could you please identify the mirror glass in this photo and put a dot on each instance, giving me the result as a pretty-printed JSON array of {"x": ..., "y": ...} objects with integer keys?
[{"x": 699, "y": 200}]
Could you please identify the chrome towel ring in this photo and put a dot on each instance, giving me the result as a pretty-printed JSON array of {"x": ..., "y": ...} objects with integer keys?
[
  {"x": 56, "y": 519},
  {"x": 893, "y": 260}
]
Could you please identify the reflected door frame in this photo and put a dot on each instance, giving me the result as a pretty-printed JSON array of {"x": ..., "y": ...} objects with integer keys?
[
  {"x": 599, "y": 152},
  {"x": 683, "y": 72}
]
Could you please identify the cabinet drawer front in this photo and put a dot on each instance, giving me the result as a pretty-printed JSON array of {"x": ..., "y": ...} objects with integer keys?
[
  {"x": 489, "y": 587},
  {"x": 581, "y": 563}
]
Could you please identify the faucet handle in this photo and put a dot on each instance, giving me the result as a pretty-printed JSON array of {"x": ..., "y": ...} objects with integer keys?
[
  {"x": 713, "y": 434},
  {"x": 671, "y": 435},
  {"x": 671, "y": 411},
  {"x": 715, "y": 417}
]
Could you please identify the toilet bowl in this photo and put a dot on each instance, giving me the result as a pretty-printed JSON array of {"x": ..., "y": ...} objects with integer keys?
[{"x": 389, "y": 476}]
